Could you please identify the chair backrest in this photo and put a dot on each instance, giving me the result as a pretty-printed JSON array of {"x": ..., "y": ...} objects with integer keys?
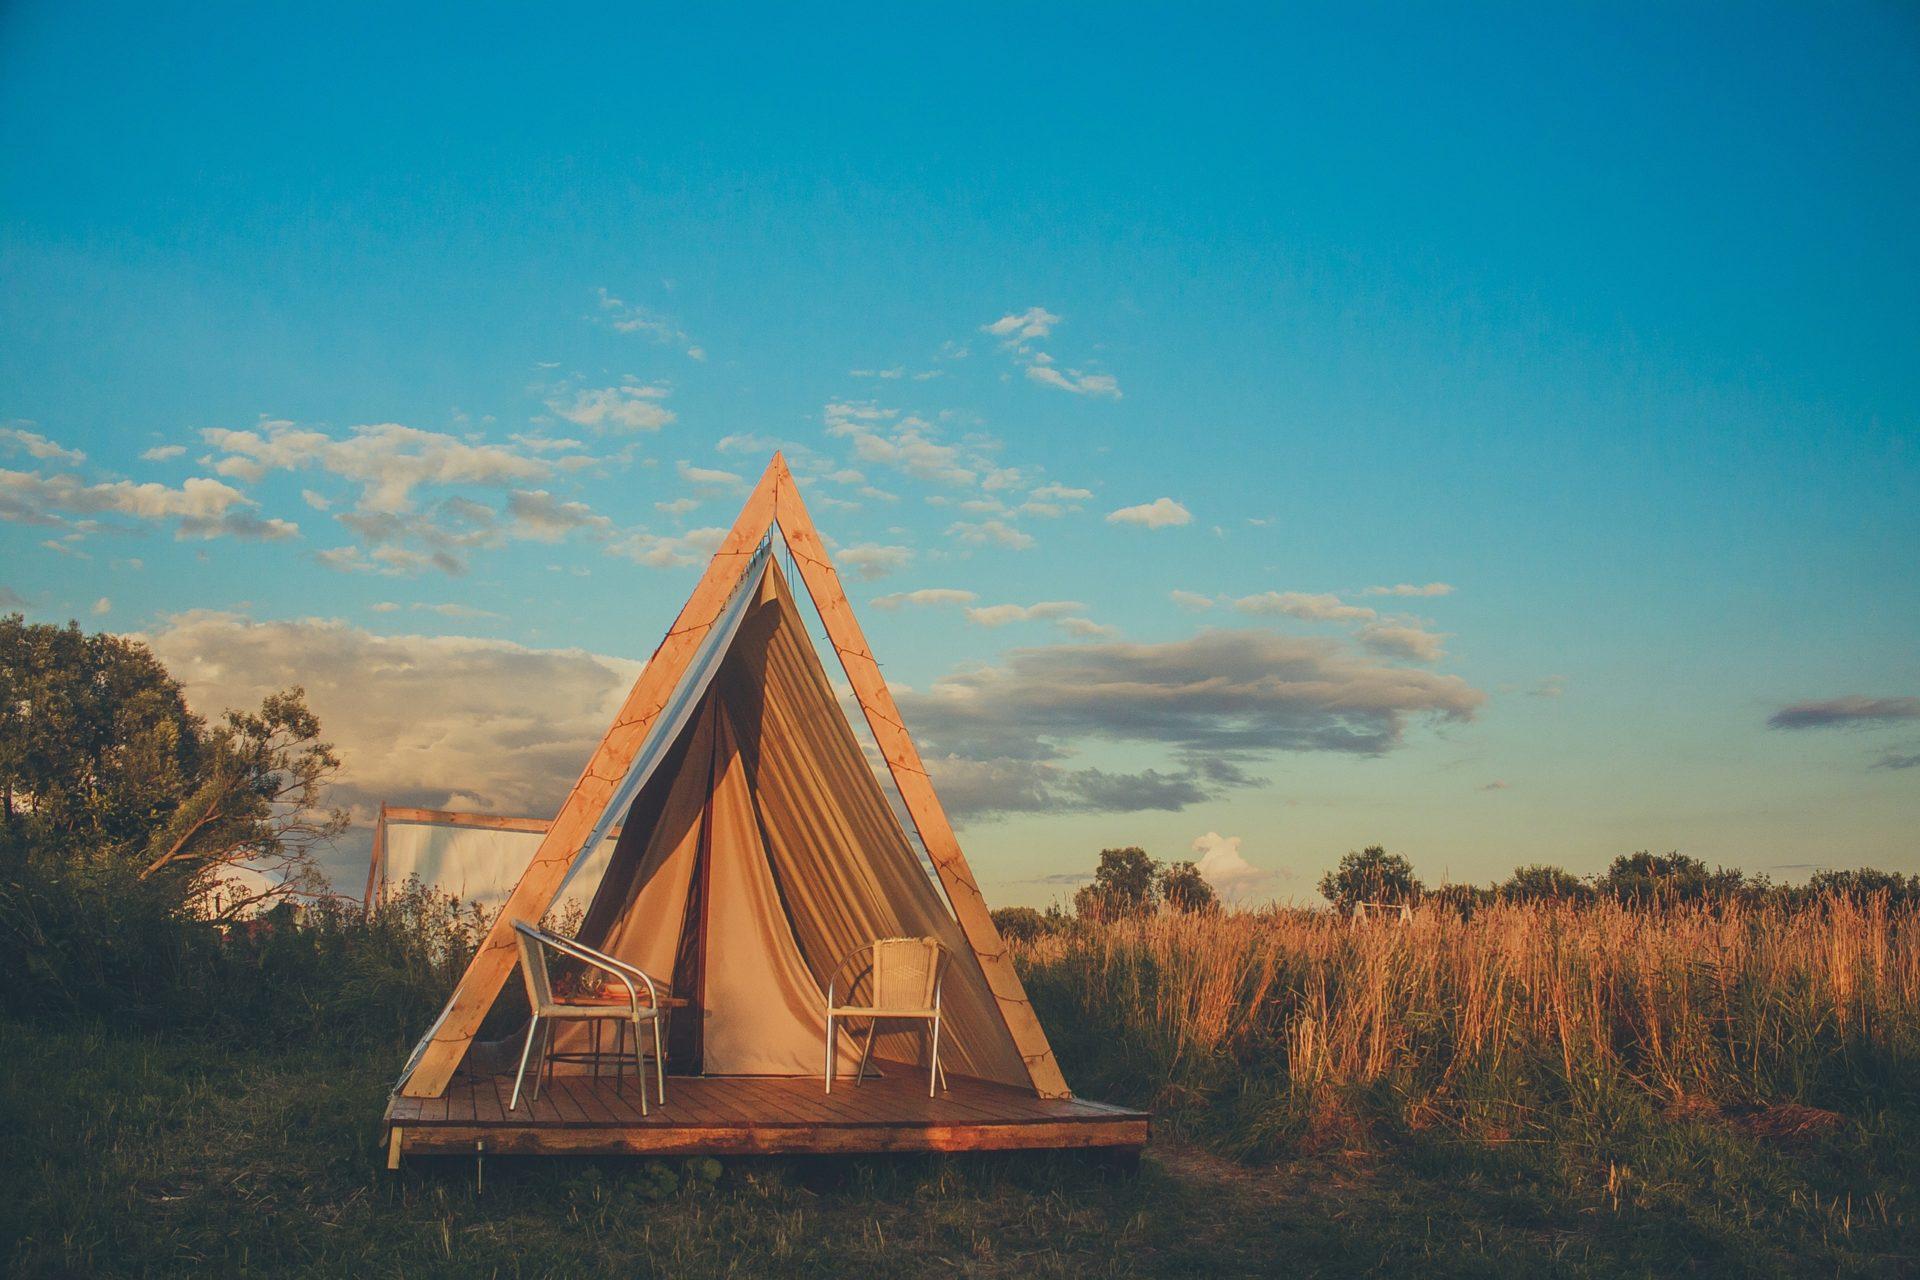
[
  {"x": 533, "y": 965},
  {"x": 905, "y": 971}
]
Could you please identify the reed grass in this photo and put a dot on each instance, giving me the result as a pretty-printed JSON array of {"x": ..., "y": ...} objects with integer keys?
[{"x": 1266, "y": 1030}]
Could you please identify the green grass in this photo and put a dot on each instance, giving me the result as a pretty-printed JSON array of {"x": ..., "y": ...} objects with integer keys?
[{"x": 156, "y": 1155}]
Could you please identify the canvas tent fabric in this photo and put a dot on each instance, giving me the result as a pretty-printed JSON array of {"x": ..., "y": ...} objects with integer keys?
[
  {"x": 763, "y": 855},
  {"x": 841, "y": 867}
]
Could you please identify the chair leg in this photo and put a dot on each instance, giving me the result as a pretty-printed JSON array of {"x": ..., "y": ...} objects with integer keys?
[
  {"x": 827, "y": 1072},
  {"x": 933, "y": 1068},
  {"x": 866, "y": 1050},
  {"x": 619, "y": 1051},
  {"x": 639, "y": 1063},
  {"x": 543, "y": 1065},
  {"x": 659, "y": 1061},
  {"x": 533, "y": 1029}
]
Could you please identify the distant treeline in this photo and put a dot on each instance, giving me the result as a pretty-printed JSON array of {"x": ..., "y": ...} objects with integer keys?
[{"x": 1129, "y": 882}]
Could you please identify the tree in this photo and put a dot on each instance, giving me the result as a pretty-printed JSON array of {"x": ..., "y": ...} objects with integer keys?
[
  {"x": 1123, "y": 885},
  {"x": 1663, "y": 879},
  {"x": 1541, "y": 882},
  {"x": 1019, "y": 924},
  {"x": 246, "y": 834},
  {"x": 1183, "y": 888},
  {"x": 104, "y": 769},
  {"x": 1371, "y": 875},
  {"x": 1862, "y": 883},
  {"x": 96, "y": 741}
]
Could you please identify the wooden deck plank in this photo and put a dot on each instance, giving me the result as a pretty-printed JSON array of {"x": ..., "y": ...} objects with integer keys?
[
  {"x": 688, "y": 1103},
  {"x": 800, "y": 1139},
  {"x": 460, "y": 1102},
  {"x": 742, "y": 1116},
  {"x": 488, "y": 1106},
  {"x": 731, "y": 1104}
]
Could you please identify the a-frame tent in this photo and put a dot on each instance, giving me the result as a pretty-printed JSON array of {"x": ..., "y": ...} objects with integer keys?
[{"x": 756, "y": 847}]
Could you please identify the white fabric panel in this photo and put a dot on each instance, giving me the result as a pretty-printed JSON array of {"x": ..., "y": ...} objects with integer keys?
[{"x": 474, "y": 864}]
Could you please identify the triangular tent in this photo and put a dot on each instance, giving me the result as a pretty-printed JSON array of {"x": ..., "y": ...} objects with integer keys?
[{"x": 755, "y": 846}]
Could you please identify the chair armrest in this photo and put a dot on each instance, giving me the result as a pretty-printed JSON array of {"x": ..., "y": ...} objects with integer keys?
[
  {"x": 627, "y": 973},
  {"x": 833, "y": 976}
]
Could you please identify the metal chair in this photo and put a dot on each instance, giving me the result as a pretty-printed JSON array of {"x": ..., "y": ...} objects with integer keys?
[
  {"x": 534, "y": 944},
  {"x": 907, "y": 973}
]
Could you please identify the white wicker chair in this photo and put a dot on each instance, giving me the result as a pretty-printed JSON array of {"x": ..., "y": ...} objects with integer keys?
[
  {"x": 907, "y": 973},
  {"x": 534, "y": 945}
]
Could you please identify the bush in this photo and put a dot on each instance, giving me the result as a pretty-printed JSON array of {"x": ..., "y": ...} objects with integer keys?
[{"x": 107, "y": 946}]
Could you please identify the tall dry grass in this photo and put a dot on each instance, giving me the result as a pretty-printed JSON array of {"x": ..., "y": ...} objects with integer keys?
[{"x": 1260, "y": 1026}]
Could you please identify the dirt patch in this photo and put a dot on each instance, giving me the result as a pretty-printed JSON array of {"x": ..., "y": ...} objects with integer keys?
[{"x": 1787, "y": 1121}]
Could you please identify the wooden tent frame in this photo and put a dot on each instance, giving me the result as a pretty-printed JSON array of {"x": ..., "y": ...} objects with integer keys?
[{"x": 775, "y": 501}]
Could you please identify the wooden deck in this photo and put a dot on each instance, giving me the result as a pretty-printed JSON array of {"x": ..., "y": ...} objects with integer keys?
[{"x": 577, "y": 1115}]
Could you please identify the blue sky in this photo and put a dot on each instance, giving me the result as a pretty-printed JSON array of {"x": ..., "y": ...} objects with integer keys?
[{"x": 1606, "y": 322}]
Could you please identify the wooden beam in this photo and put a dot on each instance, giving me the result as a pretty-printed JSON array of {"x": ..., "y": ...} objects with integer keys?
[
  {"x": 916, "y": 789},
  {"x": 482, "y": 821},
  {"x": 494, "y": 961},
  {"x": 452, "y": 818},
  {"x": 374, "y": 868}
]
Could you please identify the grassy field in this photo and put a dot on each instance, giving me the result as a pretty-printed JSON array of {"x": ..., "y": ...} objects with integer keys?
[{"x": 1527, "y": 1092}]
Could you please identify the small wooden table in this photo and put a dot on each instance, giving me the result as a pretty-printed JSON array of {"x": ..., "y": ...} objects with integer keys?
[{"x": 615, "y": 1000}]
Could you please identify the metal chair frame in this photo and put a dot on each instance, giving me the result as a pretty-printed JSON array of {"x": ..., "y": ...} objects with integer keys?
[
  {"x": 540, "y": 996},
  {"x": 936, "y": 1074}
]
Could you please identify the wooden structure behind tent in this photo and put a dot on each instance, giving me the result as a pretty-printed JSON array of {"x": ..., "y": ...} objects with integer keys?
[{"x": 475, "y": 857}]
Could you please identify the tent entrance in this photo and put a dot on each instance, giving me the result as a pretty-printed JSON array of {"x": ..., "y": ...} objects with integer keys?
[{"x": 759, "y": 854}]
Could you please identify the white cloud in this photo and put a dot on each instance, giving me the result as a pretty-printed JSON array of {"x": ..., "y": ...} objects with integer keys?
[
  {"x": 1034, "y": 322},
  {"x": 538, "y": 516},
  {"x": 632, "y": 406},
  {"x": 1018, "y": 331},
  {"x": 709, "y": 477},
  {"x": 1404, "y": 640},
  {"x": 678, "y": 507},
  {"x": 440, "y": 721},
  {"x": 102, "y": 607},
  {"x": 924, "y": 597},
  {"x": 163, "y": 452},
  {"x": 1088, "y": 629},
  {"x": 1222, "y": 864},
  {"x": 623, "y": 318},
  {"x": 385, "y": 606},
  {"x": 1161, "y": 513},
  {"x": 1081, "y": 384},
  {"x": 319, "y": 502},
  {"x": 1191, "y": 601},
  {"x": 999, "y": 615},
  {"x": 910, "y": 445},
  {"x": 1060, "y": 493},
  {"x": 1408, "y": 589},
  {"x": 38, "y": 446},
  {"x": 997, "y": 533},
  {"x": 872, "y": 560},
  {"x": 201, "y": 507},
  {"x": 388, "y": 460},
  {"x": 1551, "y": 687},
  {"x": 662, "y": 552},
  {"x": 1297, "y": 604},
  {"x": 456, "y": 611},
  {"x": 1495, "y": 785},
  {"x": 534, "y": 443}
]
